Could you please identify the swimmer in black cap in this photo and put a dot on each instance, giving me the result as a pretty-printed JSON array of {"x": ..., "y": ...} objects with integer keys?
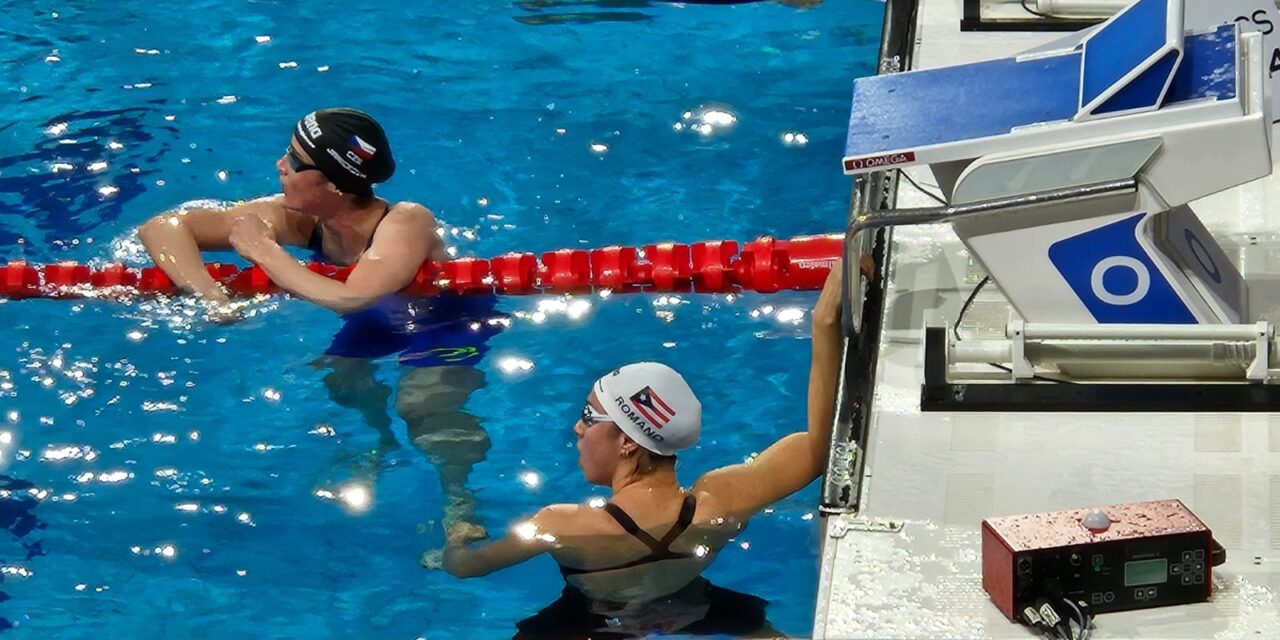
[{"x": 327, "y": 173}]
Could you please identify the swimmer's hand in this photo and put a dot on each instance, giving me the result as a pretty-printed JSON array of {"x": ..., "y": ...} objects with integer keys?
[
  {"x": 216, "y": 294},
  {"x": 867, "y": 265},
  {"x": 460, "y": 534},
  {"x": 826, "y": 311},
  {"x": 432, "y": 559},
  {"x": 223, "y": 311},
  {"x": 253, "y": 238},
  {"x": 464, "y": 533}
]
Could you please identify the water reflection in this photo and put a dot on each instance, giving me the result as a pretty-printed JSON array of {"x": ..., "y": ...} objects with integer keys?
[
  {"x": 598, "y": 11},
  {"x": 571, "y": 11},
  {"x": 86, "y": 169},
  {"x": 583, "y": 18},
  {"x": 17, "y": 516}
]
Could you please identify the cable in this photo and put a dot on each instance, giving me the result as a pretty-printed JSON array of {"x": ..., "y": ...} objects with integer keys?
[
  {"x": 936, "y": 198},
  {"x": 1083, "y": 634},
  {"x": 1032, "y": 618},
  {"x": 955, "y": 330},
  {"x": 1052, "y": 620}
]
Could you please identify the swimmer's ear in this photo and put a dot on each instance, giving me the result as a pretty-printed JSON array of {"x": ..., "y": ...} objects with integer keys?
[{"x": 629, "y": 446}]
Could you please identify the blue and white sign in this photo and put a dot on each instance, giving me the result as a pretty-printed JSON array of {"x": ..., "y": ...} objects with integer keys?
[
  {"x": 1115, "y": 278},
  {"x": 1183, "y": 238}
]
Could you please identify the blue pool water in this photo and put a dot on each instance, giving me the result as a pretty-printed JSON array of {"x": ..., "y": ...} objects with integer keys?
[{"x": 163, "y": 477}]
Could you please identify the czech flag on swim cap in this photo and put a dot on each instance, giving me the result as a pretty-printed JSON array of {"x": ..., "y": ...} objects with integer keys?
[{"x": 361, "y": 148}]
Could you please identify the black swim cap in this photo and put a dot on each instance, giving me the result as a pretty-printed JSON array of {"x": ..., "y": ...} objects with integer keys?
[{"x": 349, "y": 147}]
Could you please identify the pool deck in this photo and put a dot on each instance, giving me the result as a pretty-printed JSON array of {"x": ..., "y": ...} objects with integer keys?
[{"x": 909, "y": 564}]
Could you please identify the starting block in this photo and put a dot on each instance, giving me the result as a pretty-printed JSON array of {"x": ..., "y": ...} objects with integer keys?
[{"x": 1181, "y": 110}]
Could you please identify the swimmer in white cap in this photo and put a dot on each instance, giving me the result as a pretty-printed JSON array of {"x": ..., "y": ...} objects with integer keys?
[{"x": 652, "y": 540}]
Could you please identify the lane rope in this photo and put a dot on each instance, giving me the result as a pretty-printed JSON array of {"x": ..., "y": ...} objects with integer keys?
[{"x": 764, "y": 265}]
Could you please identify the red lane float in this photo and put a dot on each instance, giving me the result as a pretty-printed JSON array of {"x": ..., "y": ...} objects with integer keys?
[
  {"x": 765, "y": 265},
  {"x": 20, "y": 280}
]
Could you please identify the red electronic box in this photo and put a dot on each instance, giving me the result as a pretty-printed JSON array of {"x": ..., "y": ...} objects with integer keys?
[{"x": 1129, "y": 556}]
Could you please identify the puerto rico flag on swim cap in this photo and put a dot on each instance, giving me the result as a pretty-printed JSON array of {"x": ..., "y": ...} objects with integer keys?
[
  {"x": 652, "y": 407},
  {"x": 361, "y": 148}
]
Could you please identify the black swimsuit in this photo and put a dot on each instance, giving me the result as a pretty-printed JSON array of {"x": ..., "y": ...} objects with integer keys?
[
  {"x": 315, "y": 243},
  {"x": 658, "y": 549},
  {"x": 700, "y": 607},
  {"x": 437, "y": 331},
  {"x": 722, "y": 612}
]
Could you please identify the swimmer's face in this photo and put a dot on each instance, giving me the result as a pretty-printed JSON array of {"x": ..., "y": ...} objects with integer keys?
[
  {"x": 305, "y": 187},
  {"x": 599, "y": 443}
]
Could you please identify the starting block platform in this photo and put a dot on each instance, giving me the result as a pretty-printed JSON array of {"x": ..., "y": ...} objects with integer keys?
[{"x": 1180, "y": 111}]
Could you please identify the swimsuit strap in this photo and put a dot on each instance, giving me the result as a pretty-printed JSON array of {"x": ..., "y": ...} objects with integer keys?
[
  {"x": 687, "y": 508},
  {"x": 316, "y": 241},
  {"x": 682, "y": 523},
  {"x": 658, "y": 550},
  {"x": 631, "y": 527}
]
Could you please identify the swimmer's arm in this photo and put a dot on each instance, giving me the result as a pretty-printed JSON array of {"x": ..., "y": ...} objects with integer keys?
[
  {"x": 791, "y": 463},
  {"x": 174, "y": 240},
  {"x": 387, "y": 267},
  {"x": 526, "y": 540}
]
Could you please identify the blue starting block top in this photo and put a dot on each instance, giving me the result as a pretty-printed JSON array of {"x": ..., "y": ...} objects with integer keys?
[
  {"x": 908, "y": 111},
  {"x": 1144, "y": 37}
]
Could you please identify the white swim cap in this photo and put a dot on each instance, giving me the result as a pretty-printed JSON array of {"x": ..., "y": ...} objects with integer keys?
[{"x": 653, "y": 405}]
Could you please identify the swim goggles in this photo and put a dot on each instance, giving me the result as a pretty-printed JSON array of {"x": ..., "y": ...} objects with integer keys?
[
  {"x": 590, "y": 416},
  {"x": 296, "y": 163}
]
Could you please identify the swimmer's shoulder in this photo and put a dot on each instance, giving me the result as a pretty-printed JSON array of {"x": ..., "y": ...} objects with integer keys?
[
  {"x": 591, "y": 518},
  {"x": 269, "y": 207},
  {"x": 575, "y": 521},
  {"x": 273, "y": 202},
  {"x": 270, "y": 202},
  {"x": 711, "y": 513},
  {"x": 406, "y": 212},
  {"x": 294, "y": 227},
  {"x": 565, "y": 518},
  {"x": 412, "y": 220}
]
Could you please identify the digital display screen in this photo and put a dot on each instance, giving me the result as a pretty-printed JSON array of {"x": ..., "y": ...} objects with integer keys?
[{"x": 1142, "y": 572}]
